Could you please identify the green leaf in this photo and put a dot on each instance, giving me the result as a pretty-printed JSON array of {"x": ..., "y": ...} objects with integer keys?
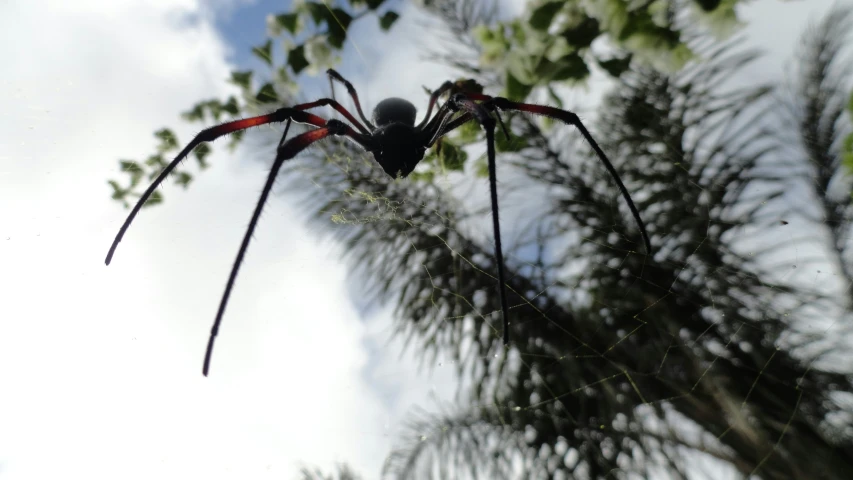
[
  {"x": 570, "y": 67},
  {"x": 493, "y": 42},
  {"x": 264, "y": 52},
  {"x": 235, "y": 139},
  {"x": 267, "y": 94},
  {"x": 155, "y": 198},
  {"x": 542, "y": 16},
  {"x": 157, "y": 163},
  {"x": 555, "y": 99},
  {"x": 427, "y": 176},
  {"x": 481, "y": 167},
  {"x": 289, "y": 21},
  {"x": 318, "y": 53},
  {"x": 215, "y": 108},
  {"x": 183, "y": 179},
  {"x": 282, "y": 76},
  {"x": 338, "y": 21},
  {"x": 468, "y": 133},
  {"x": 296, "y": 59},
  {"x": 168, "y": 140},
  {"x": 317, "y": 11},
  {"x": 516, "y": 90},
  {"x": 582, "y": 34},
  {"x": 511, "y": 144},
  {"x": 242, "y": 79},
  {"x": 196, "y": 114},
  {"x": 518, "y": 64},
  {"x": 201, "y": 152},
  {"x": 431, "y": 156},
  {"x": 847, "y": 152},
  {"x": 452, "y": 157},
  {"x": 128, "y": 166},
  {"x": 118, "y": 192},
  {"x": 847, "y": 159},
  {"x": 388, "y": 19},
  {"x": 708, "y": 5},
  {"x": 231, "y": 106},
  {"x": 616, "y": 66},
  {"x": 558, "y": 48}
]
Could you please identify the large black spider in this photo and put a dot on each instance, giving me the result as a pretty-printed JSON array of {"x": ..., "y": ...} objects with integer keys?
[{"x": 396, "y": 143}]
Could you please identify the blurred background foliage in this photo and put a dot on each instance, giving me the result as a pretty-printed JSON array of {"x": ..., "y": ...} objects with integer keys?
[{"x": 622, "y": 364}]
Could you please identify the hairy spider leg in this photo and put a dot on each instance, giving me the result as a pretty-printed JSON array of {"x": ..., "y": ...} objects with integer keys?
[
  {"x": 206, "y": 135},
  {"x": 434, "y": 96},
  {"x": 441, "y": 123},
  {"x": 216, "y": 131},
  {"x": 334, "y": 75},
  {"x": 472, "y": 110},
  {"x": 569, "y": 118},
  {"x": 337, "y": 106},
  {"x": 285, "y": 151}
]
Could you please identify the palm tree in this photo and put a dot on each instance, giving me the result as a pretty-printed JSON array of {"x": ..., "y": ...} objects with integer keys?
[{"x": 622, "y": 362}]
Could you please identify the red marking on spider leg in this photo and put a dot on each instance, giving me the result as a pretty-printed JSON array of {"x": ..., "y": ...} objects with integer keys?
[
  {"x": 300, "y": 142},
  {"x": 286, "y": 151},
  {"x": 351, "y": 90},
  {"x": 434, "y": 98},
  {"x": 299, "y": 116},
  {"x": 205, "y": 135},
  {"x": 280, "y": 115},
  {"x": 552, "y": 112},
  {"x": 477, "y": 96},
  {"x": 572, "y": 119},
  {"x": 231, "y": 127},
  {"x": 538, "y": 110}
]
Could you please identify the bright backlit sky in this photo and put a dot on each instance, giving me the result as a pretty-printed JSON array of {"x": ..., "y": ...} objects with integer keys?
[{"x": 100, "y": 368}]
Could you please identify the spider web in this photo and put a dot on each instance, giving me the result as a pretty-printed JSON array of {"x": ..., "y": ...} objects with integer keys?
[{"x": 715, "y": 356}]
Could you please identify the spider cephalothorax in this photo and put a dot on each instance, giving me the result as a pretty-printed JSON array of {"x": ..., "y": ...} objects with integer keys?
[{"x": 396, "y": 143}]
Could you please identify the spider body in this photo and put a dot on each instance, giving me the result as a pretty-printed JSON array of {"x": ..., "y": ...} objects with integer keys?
[
  {"x": 399, "y": 144},
  {"x": 396, "y": 143},
  {"x": 399, "y": 148}
]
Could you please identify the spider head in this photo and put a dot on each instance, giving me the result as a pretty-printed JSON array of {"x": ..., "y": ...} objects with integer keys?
[{"x": 394, "y": 110}]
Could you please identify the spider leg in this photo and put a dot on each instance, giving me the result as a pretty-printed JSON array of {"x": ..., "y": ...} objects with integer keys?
[
  {"x": 444, "y": 126},
  {"x": 208, "y": 135},
  {"x": 569, "y": 118},
  {"x": 436, "y": 125},
  {"x": 286, "y": 151},
  {"x": 443, "y": 123},
  {"x": 472, "y": 110},
  {"x": 434, "y": 96},
  {"x": 337, "y": 106},
  {"x": 334, "y": 75}
]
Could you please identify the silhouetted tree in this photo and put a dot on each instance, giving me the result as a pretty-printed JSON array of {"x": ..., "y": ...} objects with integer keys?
[{"x": 620, "y": 362}]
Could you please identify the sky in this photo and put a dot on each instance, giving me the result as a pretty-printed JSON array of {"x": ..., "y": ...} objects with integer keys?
[{"x": 100, "y": 367}]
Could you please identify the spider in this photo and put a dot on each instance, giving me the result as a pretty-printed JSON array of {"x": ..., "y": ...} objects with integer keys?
[{"x": 396, "y": 143}]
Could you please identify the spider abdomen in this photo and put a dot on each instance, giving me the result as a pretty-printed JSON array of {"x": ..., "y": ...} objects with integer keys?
[{"x": 400, "y": 148}]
